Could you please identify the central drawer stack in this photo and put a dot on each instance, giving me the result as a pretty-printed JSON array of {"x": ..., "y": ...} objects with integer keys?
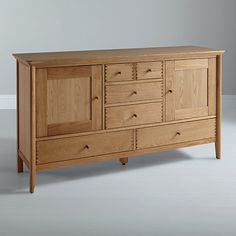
[{"x": 133, "y": 94}]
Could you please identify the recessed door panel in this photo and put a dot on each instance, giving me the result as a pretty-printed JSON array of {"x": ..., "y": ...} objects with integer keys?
[
  {"x": 190, "y": 88},
  {"x": 68, "y": 100}
]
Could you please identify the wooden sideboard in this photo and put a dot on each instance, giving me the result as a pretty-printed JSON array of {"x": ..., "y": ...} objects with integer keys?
[{"x": 76, "y": 107}]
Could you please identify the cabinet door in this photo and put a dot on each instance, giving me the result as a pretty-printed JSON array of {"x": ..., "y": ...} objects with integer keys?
[
  {"x": 68, "y": 100},
  {"x": 190, "y": 88}
]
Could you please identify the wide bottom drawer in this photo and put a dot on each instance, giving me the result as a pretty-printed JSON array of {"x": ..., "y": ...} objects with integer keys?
[
  {"x": 84, "y": 146},
  {"x": 175, "y": 133}
]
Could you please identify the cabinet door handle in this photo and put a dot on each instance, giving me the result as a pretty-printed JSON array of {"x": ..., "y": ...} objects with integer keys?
[
  {"x": 178, "y": 133},
  {"x": 149, "y": 70},
  {"x": 96, "y": 98},
  {"x": 135, "y": 115},
  {"x": 170, "y": 91},
  {"x": 86, "y": 146},
  {"x": 134, "y": 93}
]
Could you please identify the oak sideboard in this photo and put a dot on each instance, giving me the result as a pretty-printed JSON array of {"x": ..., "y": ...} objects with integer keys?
[{"x": 77, "y": 107}]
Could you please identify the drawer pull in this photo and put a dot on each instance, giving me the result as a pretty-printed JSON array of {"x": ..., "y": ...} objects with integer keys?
[
  {"x": 149, "y": 70},
  {"x": 178, "y": 133},
  {"x": 118, "y": 73},
  {"x": 134, "y": 93},
  {"x": 135, "y": 115},
  {"x": 170, "y": 91},
  {"x": 86, "y": 147},
  {"x": 96, "y": 98}
]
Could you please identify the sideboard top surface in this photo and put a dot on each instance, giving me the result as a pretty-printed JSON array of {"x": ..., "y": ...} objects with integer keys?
[{"x": 113, "y": 55}]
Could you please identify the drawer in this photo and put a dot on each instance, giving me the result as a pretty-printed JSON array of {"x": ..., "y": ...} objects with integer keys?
[
  {"x": 133, "y": 92},
  {"x": 84, "y": 146},
  {"x": 175, "y": 133},
  {"x": 119, "y": 72},
  {"x": 123, "y": 116},
  {"x": 149, "y": 70}
]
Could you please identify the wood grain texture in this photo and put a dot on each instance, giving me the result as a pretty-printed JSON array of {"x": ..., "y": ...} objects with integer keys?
[
  {"x": 50, "y": 59},
  {"x": 119, "y": 72},
  {"x": 84, "y": 146},
  {"x": 149, "y": 70},
  {"x": 175, "y": 133},
  {"x": 133, "y": 92},
  {"x": 123, "y": 154},
  {"x": 218, "y": 105},
  {"x": 212, "y": 86},
  {"x": 124, "y": 116},
  {"x": 24, "y": 111}
]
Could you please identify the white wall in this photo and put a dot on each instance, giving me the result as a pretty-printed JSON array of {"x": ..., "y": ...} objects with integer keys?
[{"x": 50, "y": 25}]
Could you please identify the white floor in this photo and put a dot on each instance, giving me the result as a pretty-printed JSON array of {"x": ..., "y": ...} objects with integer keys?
[{"x": 182, "y": 192}]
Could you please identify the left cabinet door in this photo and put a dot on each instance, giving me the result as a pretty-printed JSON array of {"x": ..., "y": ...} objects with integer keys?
[{"x": 68, "y": 100}]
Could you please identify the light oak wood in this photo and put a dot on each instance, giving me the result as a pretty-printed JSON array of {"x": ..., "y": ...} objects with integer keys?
[
  {"x": 218, "y": 105},
  {"x": 69, "y": 100},
  {"x": 190, "y": 88},
  {"x": 84, "y": 146},
  {"x": 123, "y": 116},
  {"x": 133, "y": 92},
  {"x": 123, "y": 154},
  {"x": 78, "y": 107},
  {"x": 119, "y": 72},
  {"x": 50, "y": 59},
  {"x": 149, "y": 70},
  {"x": 175, "y": 133}
]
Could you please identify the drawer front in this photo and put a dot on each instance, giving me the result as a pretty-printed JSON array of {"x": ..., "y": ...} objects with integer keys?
[
  {"x": 133, "y": 92},
  {"x": 84, "y": 146},
  {"x": 149, "y": 70},
  {"x": 175, "y": 133},
  {"x": 119, "y": 72},
  {"x": 130, "y": 115}
]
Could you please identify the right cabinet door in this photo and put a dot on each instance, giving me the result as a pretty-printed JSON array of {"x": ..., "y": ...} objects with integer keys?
[{"x": 190, "y": 88}]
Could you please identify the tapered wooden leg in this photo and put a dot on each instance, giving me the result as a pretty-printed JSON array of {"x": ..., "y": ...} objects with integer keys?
[
  {"x": 19, "y": 164},
  {"x": 218, "y": 105},
  {"x": 32, "y": 180},
  {"x": 218, "y": 149},
  {"x": 124, "y": 160}
]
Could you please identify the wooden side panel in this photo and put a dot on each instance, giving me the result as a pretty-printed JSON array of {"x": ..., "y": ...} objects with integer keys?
[
  {"x": 24, "y": 110},
  {"x": 84, "y": 146},
  {"x": 212, "y": 86},
  {"x": 170, "y": 85},
  {"x": 175, "y": 133}
]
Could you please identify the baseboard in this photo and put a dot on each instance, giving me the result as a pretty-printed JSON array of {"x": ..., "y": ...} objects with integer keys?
[{"x": 8, "y": 101}]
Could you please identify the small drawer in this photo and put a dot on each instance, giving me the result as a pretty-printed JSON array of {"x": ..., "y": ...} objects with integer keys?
[
  {"x": 123, "y": 116},
  {"x": 84, "y": 146},
  {"x": 175, "y": 133},
  {"x": 119, "y": 72},
  {"x": 133, "y": 92},
  {"x": 149, "y": 70}
]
